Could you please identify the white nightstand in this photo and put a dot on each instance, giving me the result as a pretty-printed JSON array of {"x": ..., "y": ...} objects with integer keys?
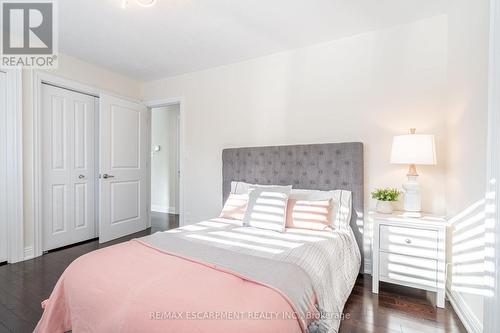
[{"x": 410, "y": 251}]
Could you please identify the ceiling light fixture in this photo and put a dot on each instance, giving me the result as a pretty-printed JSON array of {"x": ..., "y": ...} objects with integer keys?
[
  {"x": 142, "y": 3},
  {"x": 146, "y": 3}
]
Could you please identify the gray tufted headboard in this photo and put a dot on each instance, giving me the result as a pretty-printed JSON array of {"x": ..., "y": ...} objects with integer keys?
[{"x": 329, "y": 166}]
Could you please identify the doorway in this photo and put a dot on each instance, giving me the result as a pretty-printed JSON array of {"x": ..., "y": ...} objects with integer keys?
[{"x": 165, "y": 167}]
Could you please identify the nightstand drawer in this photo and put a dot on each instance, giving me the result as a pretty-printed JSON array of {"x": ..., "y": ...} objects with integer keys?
[
  {"x": 407, "y": 270},
  {"x": 411, "y": 241}
]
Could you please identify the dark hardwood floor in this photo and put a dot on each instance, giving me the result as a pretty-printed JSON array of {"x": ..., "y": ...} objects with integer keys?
[
  {"x": 24, "y": 285},
  {"x": 396, "y": 309},
  {"x": 162, "y": 221}
]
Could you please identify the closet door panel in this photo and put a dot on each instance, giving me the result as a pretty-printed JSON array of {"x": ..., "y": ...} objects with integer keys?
[
  {"x": 68, "y": 168},
  {"x": 124, "y": 153}
]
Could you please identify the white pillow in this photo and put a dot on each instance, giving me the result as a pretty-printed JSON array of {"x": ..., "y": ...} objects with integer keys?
[
  {"x": 342, "y": 203},
  {"x": 243, "y": 188},
  {"x": 266, "y": 207},
  {"x": 240, "y": 187}
]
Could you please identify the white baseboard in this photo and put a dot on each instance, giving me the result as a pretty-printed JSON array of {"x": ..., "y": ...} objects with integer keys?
[
  {"x": 470, "y": 321},
  {"x": 159, "y": 209},
  {"x": 29, "y": 253},
  {"x": 163, "y": 209}
]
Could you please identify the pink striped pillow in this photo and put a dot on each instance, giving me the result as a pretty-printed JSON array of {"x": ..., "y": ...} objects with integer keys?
[
  {"x": 235, "y": 207},
  {"x": 308, "y": 214}
]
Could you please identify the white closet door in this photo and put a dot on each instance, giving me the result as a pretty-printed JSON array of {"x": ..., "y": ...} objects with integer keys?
[
  {"x": 3, "y": 167},
  {"x": 68, "y": 167},
  {"x": 123, "y": 159}
]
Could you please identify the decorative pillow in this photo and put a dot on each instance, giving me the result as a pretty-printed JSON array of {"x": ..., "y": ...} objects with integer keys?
[
  {"x": 267, "y": 207},
  {"x": 235, "y": 207},
  {"x": 342, "y": 203},
  {"x": 307, "y": 214}
]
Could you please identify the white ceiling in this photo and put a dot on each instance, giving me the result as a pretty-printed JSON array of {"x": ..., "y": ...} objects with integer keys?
[{"x": 180, "y": 36}]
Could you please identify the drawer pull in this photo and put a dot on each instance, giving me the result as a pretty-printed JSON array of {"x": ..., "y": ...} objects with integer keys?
[{"x": 408, "y": 241}]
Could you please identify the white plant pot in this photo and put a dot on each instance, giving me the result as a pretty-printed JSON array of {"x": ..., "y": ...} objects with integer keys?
[{"x": 384, "y": 207}]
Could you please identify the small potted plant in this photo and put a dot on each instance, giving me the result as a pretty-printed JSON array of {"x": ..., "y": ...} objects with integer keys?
[{"x": 385, "y": 197}]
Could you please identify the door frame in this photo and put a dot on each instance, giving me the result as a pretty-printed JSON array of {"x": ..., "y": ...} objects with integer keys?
[
  {"x": 157, "y": 103},
  {"x": 491, "y": 321},
  {"x": 14, "y": 182},
  {"x": 38, "y": 78}
]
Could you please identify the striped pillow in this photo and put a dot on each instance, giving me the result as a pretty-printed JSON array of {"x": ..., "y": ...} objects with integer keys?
[
  {"x": 342, "y": 203},
  {"x": 235, "y": 207},
  {"x": 309, "y": 214},
  {"x": 267, "y": 207}
]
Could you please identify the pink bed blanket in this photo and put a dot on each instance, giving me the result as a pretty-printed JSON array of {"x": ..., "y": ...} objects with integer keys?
[{"x": 132, "y": 287}]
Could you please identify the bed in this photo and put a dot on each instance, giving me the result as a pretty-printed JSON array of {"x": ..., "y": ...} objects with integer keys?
[{"x": 220, "y": 275}]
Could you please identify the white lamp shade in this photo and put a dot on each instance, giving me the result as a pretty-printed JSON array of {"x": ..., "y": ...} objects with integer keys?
[{"x": 413, "y": 149}]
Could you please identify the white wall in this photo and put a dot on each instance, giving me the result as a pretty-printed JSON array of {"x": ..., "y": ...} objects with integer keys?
[
  {"x": 3, "y": 167},
  {"x": 79, "y": 71},
  {"x": 468, "y": 33},
  {"x": 164, "y": 164},
  {"x": 363, "y": 88},
  {"x": 83, "y": 72}
]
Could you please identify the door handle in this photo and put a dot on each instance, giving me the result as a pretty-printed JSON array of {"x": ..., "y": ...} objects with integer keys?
[
  {"x": 106, "y": 176},
  {"x": 81, "y": 176}
]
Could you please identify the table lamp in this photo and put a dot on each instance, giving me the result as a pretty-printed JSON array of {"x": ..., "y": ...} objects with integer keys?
[{"x": 413, "y": 149}]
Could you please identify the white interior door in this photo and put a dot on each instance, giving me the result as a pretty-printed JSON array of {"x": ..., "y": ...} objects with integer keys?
[
  {"x": 3, "y": 167},
  {"x": 123, "y": 168},
  {"x": 68, "y": 167}
]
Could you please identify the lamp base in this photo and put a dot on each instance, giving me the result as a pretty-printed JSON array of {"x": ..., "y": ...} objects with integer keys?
[{"x": 412, "y": 201}]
